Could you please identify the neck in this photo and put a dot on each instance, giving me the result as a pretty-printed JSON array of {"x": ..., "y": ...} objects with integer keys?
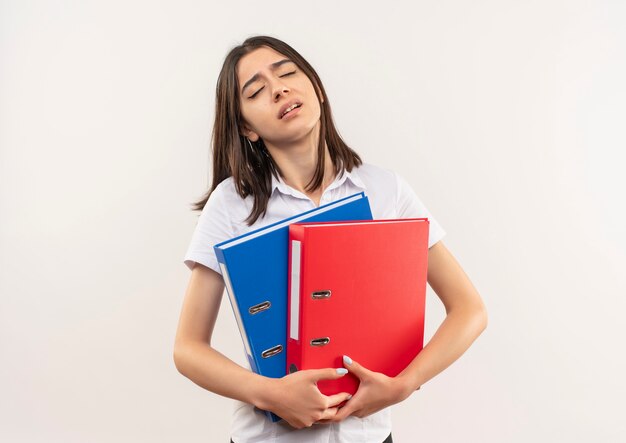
[{"x": 297, "y": 163}]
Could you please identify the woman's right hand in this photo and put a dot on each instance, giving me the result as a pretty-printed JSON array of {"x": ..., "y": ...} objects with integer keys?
[
  {"x": 297, "y": 400},
  {"x": 295, "y": 397}
]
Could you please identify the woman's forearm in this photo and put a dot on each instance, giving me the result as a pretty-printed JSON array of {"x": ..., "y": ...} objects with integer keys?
[
  {"x": 294, "y": 397},
  {"x": 213, "y": 371},
  {"x": 453, "y": 337}
]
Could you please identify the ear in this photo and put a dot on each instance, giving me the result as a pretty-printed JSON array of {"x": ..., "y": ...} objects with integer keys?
[{"x": 253, "y": 136}]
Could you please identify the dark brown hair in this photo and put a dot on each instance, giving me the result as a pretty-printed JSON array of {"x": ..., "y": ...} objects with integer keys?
[{"x": 252, "y": 168}]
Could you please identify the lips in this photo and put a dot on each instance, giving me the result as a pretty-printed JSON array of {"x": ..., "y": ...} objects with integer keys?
[{"x": 287, "y": 105}]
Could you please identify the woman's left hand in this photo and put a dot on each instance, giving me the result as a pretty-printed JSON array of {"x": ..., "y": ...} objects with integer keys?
[{"x": 376, "y": 391}]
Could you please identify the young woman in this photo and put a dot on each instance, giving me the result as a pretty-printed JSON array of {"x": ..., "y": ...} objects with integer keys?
[{"x": 276, "y": 153}]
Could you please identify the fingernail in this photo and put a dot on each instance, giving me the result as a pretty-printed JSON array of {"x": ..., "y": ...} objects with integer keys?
[
  {"x": 347, "y": 360},
  {"x": 349, "y": 397},
  {"x": 342, "y": 371}
]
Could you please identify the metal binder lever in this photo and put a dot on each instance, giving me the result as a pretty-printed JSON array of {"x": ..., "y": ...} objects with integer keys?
[
  {"x": 320, "y": 341},
  {"x": 260, "y": 307},
  {"x": 272, "y": 351},
  {"x": 318, "y": 295}
]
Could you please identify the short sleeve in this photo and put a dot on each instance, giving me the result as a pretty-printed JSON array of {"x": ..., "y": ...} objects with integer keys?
[
  {"x": 214, "y": 226},
  {"x": 409, "y": 205}
]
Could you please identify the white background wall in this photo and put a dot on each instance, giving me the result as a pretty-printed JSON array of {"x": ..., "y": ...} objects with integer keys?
[{"x": 507, "y": 118}]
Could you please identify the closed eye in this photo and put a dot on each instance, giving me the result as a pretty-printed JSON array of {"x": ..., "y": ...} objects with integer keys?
[
  {"x": 254, "y": 95},
  {"x": 284, "y": 75}
]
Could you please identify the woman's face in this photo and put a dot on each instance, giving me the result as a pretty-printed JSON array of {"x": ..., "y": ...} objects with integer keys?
[{"x": 269, "y": 82}]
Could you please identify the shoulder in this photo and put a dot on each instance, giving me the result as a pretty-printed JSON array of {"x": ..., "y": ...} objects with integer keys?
[
  {"x": 385, "y": 179},
  {"x": 381, "y": 186},
  {"x": 375, "y": 174},
  {"x": 379, "y": 180},
  {"x": 214, "y": 226},
  {"x": 225, "y": 202},
  {"x": 225, "y": 196},
  {"x": 217, "y": 209},
  {"x": 224, "y": 190}
]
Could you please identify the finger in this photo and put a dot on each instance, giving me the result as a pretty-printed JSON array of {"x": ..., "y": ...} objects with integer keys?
[
  {"x": 328, "y": 414},
  {"x": 327, "y": 373},
  {"x": 334, "y": 400},
  {"x": 354, "y": 367},
  {"x": 344, "y": 412}
]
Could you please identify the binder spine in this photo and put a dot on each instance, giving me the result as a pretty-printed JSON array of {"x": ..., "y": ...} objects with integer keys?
[
  {"x": 294, "y": 339},
  {"x": 233, "y": 303}
]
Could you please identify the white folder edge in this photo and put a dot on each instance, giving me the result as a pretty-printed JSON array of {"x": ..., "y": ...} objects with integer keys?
[{"x": 294, "y": 319}]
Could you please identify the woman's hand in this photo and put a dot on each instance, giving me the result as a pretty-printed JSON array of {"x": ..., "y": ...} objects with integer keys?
[
  {"x": 376, "y": 391},
  {"x": 297, "y": 400}
]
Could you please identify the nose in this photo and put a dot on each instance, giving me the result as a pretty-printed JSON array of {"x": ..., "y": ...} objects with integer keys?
[{"x": 279, "y": 88}]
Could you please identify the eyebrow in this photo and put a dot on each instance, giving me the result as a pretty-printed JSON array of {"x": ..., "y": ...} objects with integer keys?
[{"x": 273, "y": 67}]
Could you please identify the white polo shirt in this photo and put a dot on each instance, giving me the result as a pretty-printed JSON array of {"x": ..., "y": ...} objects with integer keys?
[{"x": 223, "y": 218}]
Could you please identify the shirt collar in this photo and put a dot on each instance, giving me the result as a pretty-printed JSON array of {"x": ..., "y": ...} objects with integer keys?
[{"x": 353, "y": 176}]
